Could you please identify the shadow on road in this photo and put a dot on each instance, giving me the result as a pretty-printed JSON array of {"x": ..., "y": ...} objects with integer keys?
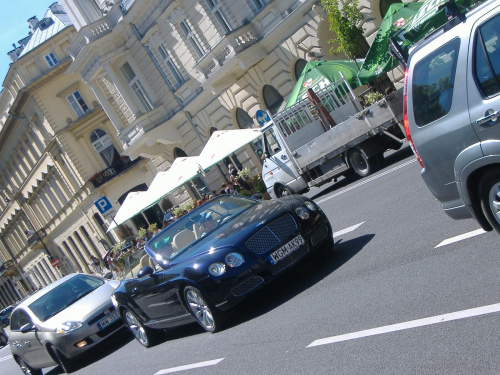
[
  {"x": 389, "y": 160},
  {"x": 297, "y": 280},
  {"x": 95, "y": 354}
]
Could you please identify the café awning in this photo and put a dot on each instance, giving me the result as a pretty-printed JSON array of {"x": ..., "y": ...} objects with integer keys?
[
  {"x": 131, "y": 206},
  {"x": 223, "y": 143},
  {"x": 181, "y": 171}
]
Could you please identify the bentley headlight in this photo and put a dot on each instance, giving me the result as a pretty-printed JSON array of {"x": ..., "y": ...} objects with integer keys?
[
  {"x": 217, "y": 269},
  {"x": 310, "y": 206},
  {"x": 302, "y": 212},
  {"x": 234, "y": 260},
  {"x": 67, "y": 327}
]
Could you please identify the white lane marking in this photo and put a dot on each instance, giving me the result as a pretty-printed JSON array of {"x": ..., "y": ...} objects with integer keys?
[
  {"x": 6, "y": 358},
  {"x": 365, "y": 181},
  {"x": 461, "y": 237},
  {"x": 489, "y": 309},
  {"x": 347, "y": 230},
  {"x": 189, "y": 367}
]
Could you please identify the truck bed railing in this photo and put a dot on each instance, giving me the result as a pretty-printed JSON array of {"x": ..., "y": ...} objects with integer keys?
[{"x": 297, "y": 116}]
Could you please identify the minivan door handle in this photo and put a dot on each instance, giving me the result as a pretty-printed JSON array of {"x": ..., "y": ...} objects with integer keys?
[{"x": 490, "y": 115}]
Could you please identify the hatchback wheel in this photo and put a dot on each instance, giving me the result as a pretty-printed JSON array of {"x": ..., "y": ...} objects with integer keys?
[
  {"x": 27, "y": 370},
  {"x": 205, "y": 313},
  {"x": 489, "y": 195},
  {"x": 146, "y": 336},
  {"x": 66, "y": 365}
]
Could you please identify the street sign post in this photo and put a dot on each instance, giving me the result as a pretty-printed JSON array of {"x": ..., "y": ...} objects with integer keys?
[{"x": 105, "y": 207}]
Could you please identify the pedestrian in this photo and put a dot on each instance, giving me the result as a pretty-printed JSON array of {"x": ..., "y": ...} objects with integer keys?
[
  {"x": 232, "y": 170},
  {"x": 96, "y": 263}
]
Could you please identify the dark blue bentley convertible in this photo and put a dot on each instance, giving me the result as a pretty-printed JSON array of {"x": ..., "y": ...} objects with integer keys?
[{"x": 211, "y": 258}]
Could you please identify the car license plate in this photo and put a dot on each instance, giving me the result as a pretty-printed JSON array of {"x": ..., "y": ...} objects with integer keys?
[
  {"x": 286, "y": 249},
  {"x": 103, "y": 323}
]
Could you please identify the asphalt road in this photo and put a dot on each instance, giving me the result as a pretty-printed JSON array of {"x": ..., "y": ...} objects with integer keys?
[{"x": 388, "y": 299}]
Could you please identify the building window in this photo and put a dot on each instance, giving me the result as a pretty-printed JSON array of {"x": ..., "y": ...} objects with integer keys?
[
  {"x": 136, "y": 86},
  {"x": 77, "y": 103},
  {"x": 257, "y": 4},
  {"x": 299, "y": 67},
  {"x": 104, "y": 147},
  {"x": 272, "y": 98},
  {"x": 192, "y": 38},
  {"x": 216, "y": 10},
  {"x": 51, "y": 60},
  {"x": 172, "y": 68}
]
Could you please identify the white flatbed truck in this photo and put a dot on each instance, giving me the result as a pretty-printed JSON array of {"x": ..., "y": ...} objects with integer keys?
[{"x": 301, "y": 149}]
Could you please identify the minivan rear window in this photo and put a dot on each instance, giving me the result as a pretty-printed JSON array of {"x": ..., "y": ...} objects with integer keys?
[{"x": 433, "y": 82}]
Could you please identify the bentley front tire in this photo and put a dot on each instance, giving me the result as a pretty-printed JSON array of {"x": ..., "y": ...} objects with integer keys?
[
  {"x": 146, "y": 336},
  {"x": 205, "y": 313}
]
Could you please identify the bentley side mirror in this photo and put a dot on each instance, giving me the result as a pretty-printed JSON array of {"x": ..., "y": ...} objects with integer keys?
[{"x": 145, "y": 271}]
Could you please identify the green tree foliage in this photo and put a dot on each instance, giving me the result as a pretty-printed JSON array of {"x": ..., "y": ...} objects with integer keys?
[{"x": 343, "y": 20}]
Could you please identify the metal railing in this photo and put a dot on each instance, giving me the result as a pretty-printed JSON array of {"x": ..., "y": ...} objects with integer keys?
[{"x": 297, "y": 116}]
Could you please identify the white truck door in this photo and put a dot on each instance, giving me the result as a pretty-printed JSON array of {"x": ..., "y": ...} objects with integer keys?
[{"x": 278, "y": 168}]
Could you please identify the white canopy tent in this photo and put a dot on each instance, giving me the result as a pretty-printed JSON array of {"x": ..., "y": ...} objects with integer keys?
[
  {"x": 181, "y": 171},
  {"x": 220, "y": 145},
  {"x": 131, "y": 206},
  {"x": 223, "y": 143}
]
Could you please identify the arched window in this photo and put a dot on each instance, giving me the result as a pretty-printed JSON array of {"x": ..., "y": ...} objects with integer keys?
[
  {"x": 385, "y": 4},
  {"x": 298, "y": 68},
  {"x": 272, "y": 98},
  {"x": 179, "y": 153},
  {"x": 243, "y": 120},
  {"x": 104, "y": 147}
]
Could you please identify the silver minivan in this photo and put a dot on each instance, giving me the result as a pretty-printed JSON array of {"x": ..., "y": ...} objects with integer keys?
[{"x": 452, "y": 110}]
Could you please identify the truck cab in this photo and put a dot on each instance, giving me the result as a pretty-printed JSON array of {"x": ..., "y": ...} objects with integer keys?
[{"x": 279, "y": 172}]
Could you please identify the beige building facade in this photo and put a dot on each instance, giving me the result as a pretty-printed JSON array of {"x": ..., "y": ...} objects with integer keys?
[{"x": 145, "y": 81}]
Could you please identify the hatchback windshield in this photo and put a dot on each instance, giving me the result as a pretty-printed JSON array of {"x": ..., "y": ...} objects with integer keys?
[
  {"x": 64, "y": 295},
  {"x": 195, "y": 225}
]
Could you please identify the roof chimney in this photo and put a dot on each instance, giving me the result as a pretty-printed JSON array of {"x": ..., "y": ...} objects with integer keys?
[{"x": 33, "y": 21}]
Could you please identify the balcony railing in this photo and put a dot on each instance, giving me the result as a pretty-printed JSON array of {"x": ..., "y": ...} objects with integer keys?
[
  {"x": 232, "y": 44},
  {"x": 100, "y": 178}
]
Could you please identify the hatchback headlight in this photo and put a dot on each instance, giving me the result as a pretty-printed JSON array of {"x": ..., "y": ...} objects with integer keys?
[
  {"x": 302, "y": 212},
  {"x": 114, "y": 301},
  {"x": 310, "y": 206},
  {"x": 67, "y": 327},
  {"x": 217, "y": 269}
]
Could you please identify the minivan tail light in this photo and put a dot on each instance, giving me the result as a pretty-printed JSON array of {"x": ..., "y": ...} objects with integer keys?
[{"x": 405, "y": 119}]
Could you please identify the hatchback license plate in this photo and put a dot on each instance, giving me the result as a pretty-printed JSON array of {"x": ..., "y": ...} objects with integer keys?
[
  {"x": 103, "y": 323},
  {"x": 286, "y": 249}
]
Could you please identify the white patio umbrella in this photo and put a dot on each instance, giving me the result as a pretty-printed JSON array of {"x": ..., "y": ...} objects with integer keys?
[
  {"x": 181, "y": 171},
  {"x": 223, "y": 143},
  {"x": 131, "y": 206}
]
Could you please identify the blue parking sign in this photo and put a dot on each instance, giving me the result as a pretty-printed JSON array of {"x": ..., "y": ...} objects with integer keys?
[{"x": 103, "y": 205}]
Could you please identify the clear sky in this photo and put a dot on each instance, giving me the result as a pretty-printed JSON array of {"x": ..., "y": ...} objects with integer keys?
[{"x": 14, "y": 20}]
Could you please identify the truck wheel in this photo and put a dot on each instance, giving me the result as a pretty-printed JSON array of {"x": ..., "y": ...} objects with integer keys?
[
  {"x": 489, "y": 196},
  {"x": 283, "y": 191},
  {"x": 360, "y": 163}
]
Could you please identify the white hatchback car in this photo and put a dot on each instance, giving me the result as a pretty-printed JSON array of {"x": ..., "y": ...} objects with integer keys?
[{"x": 62, "y": 321}]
